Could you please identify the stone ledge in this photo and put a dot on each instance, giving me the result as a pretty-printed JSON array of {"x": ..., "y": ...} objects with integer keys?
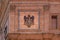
[{"x": 31, "y": 36}]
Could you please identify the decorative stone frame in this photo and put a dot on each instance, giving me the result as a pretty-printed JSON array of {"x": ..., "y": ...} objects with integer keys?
[{"x": 29, "y": 30}]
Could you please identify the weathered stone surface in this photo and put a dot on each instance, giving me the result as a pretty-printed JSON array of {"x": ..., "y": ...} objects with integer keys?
[{"x": 42, "y": 28}]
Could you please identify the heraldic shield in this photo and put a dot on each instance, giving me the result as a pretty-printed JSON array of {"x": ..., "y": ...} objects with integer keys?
[{"x": 29, "y": 20}]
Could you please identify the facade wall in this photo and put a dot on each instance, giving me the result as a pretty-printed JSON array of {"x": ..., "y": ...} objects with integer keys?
[
  {"x": 42, "y": 28},
  {"x": 45, "y": 11},
  {"x": 14, "y": 14}
]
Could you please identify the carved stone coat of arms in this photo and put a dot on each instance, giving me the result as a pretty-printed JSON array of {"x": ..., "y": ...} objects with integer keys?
[{"x": 29, "y": 20}]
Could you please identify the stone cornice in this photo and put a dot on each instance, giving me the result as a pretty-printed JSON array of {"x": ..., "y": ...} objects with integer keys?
[
  {"x": 35, "y": 2},
  {"x": 38, "y": 0},
  {"x": 28, "y": 0}
]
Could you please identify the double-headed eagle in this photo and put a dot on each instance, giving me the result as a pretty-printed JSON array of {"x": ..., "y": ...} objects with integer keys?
[{"x": 29, "y": 20}]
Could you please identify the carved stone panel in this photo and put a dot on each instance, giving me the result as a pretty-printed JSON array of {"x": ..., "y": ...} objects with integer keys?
[{"x": 29, "y": 20}]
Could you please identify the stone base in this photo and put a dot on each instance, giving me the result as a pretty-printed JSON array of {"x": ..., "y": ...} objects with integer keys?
[{"x": 17, "y": 36}]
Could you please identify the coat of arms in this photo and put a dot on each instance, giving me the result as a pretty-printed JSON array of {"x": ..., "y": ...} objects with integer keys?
[{"x": 29, "y": 20}]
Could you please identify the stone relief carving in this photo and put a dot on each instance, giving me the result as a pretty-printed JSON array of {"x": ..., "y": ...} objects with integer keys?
[{"x": 29, "y": 20}]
